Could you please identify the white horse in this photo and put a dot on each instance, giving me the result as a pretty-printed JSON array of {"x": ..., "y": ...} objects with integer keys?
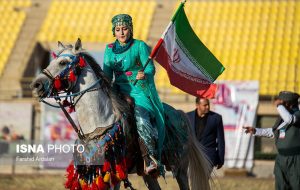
[{"x": 99, "y": 108}]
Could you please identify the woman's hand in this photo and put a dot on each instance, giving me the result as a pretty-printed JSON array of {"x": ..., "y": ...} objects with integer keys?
[
  {"x": 140, "y": 75},
  {"x": 250, "y": 130}
]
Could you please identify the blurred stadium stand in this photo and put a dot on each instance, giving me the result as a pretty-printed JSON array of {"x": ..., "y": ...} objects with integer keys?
[
  {"x": 91, "y": 20},
  {"x": 12, "y": 19},
  {"x": 14, "y": 78},
  {"x": 254, "y": 39}
]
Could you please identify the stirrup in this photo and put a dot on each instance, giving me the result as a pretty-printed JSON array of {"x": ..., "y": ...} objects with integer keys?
[{"x": 152, "y": 168}]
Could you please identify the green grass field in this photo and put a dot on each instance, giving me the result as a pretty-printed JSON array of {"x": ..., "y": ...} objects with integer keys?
[{"x": 55, "y": 182}]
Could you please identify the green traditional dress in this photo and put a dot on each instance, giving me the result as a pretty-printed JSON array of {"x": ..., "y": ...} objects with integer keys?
[{"x": 123, "y": 63}]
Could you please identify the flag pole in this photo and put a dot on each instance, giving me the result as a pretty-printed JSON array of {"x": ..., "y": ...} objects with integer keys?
[
  {"x": 155, "y": 50},
  {"x": 153, "y": 53},
  {"x": 148, "y": 60}
]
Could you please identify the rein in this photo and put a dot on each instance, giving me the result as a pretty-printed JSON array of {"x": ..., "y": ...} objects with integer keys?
[
  {"x": 68, "y": 74},
  {"x": 79, "y": 132},
  {"x": 80, "y": 93},
  {"x": 89, "y": 89}
]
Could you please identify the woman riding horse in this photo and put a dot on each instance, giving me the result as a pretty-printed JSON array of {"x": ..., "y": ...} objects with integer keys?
[
  {"x": 110, "y": 140},
  {"x": 105, "y": 132},
  {"x": 124, "y": 59}
]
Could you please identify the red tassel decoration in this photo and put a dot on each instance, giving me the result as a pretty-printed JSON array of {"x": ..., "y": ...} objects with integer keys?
[
  {"x": 69, "y": 182},
  {"x": 70, "y": 168},
  {"x": 57, "y": 83},
  {"x": 94, "y": 186},
  {"x": 54, "y": 56},
  {"x": 85, "y": 186},
  {"x": 120, "y": 172},
  {"x": 106, "y": 166},
  {"x": 71, "y": 109},
  {"x": 75, "y": 185},
  {"x": 101, "y": 184},
  {"x": 81, "y": 62},
  {"x": 70, "y": 176},
  {"x": 66, "y": 103},
  {"x": 72, "y": 77}
]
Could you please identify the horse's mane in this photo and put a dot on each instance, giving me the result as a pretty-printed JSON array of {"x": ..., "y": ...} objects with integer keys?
[{"x": 119, "y": 104}]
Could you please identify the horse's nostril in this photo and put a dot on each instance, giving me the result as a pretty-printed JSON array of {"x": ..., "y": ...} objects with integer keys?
[{"x": 37, "y": 85}]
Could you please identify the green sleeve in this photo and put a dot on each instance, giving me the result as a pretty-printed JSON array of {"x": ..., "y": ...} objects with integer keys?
[
  {"x": 144, "y": 52},
  {"x": 106, "y": 64}
]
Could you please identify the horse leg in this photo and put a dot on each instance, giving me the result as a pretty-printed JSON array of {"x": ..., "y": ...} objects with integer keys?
[{"x": 151, "y": 183}]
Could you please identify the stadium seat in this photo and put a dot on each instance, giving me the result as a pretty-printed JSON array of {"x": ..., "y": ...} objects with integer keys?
[
  {"x": 91, "y": 19},
  {"x": 11, "y": 22}
]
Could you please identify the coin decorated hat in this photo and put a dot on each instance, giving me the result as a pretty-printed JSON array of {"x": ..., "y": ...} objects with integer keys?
[{"x": 121, "y": 20}]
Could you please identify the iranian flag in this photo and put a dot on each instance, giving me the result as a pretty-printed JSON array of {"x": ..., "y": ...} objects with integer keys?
[{"x": 190, "y": 65}]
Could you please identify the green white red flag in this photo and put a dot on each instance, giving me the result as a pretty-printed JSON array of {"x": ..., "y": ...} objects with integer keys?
[{"x": 190, "y": 65}]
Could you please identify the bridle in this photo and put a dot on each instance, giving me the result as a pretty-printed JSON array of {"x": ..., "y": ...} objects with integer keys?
[
  {"x": 68, "y": 74},
  {"x": 57, "y": 86}
]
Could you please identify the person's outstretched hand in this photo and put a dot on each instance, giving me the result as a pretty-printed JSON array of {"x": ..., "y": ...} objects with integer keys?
[
  {"x": 140, "y": 75},
  {"x": 250, "y": 130}
]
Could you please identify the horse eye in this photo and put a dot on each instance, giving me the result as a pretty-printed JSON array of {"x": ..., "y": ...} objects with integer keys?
[{"x": 63, "y": 63}]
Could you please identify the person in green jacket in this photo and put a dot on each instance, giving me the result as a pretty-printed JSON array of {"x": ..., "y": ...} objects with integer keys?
[{"x": 123, "y": 63}]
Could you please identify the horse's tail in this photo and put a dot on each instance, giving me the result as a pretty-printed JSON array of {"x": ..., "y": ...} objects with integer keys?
[{"x": 199, "y": 166}]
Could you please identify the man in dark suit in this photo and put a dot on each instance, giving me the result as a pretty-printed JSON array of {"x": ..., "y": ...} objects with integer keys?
[{"x": 209, "y": 130}]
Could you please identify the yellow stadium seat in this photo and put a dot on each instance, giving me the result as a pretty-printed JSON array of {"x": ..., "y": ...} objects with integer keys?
[
  {"x": 11, "y": 22},
  {"x": 85, "y": 12}
]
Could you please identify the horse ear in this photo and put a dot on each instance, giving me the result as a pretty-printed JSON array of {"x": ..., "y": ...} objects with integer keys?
[
  {"x": 60, "y": 45},
  {"x": 78, "y": 45}
]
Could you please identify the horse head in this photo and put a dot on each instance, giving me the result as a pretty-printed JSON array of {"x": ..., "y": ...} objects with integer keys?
[
  {"x": 87, "y": 90},
  {"x": 62, "y": 73}
]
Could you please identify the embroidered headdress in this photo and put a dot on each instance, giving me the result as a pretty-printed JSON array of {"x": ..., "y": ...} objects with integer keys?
[{"x": 122, "y": 20}]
